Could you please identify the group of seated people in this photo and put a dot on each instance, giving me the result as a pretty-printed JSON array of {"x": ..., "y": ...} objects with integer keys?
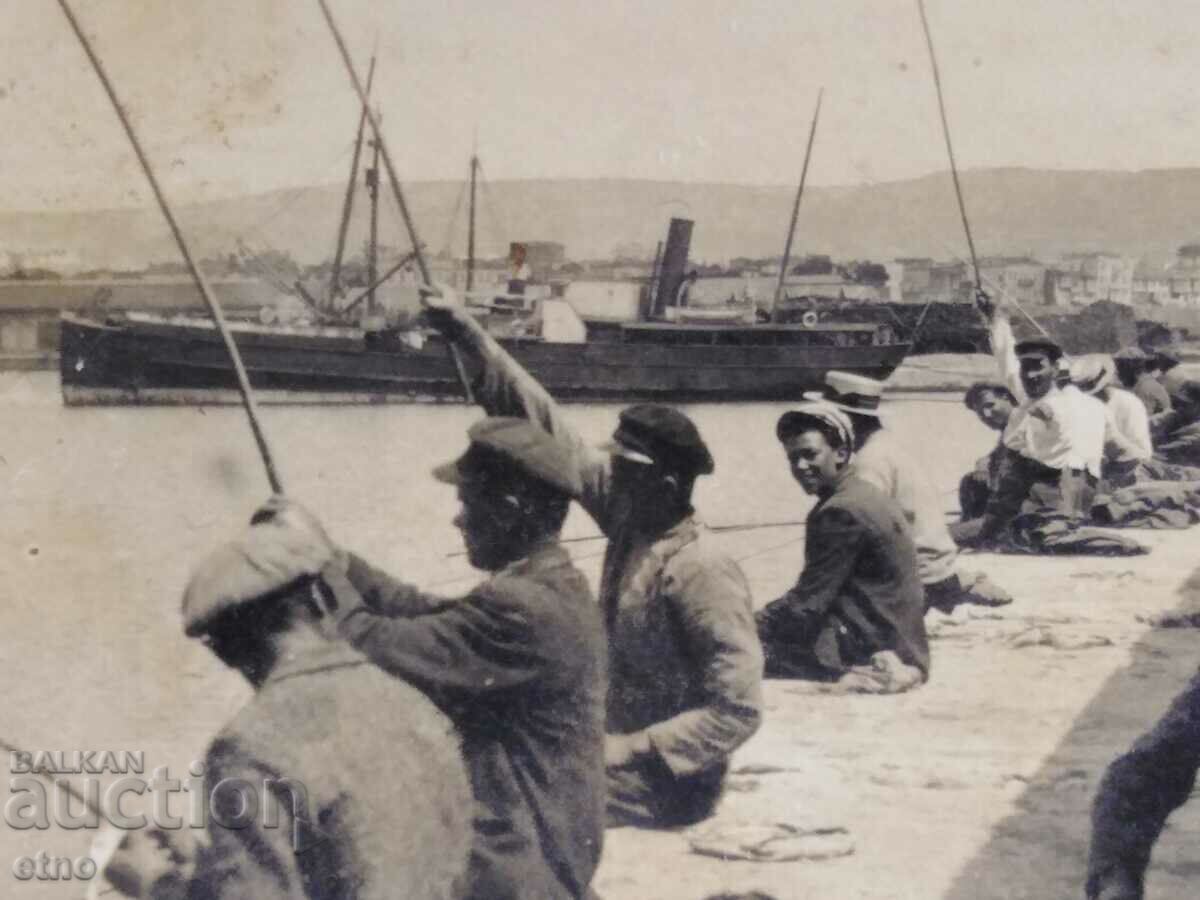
[
  {"x": 572, "y": 713},
  {"x": 1111, "y": 441}
]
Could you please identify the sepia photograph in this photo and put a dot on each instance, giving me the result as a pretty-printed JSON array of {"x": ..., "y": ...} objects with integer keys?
[{"x": 529, "y": 450}]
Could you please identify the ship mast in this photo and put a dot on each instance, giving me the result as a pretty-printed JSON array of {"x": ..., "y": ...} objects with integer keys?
[
  {"x": 787, "y": 247},
  {"x": 373, "y": 240},
  {"x": 335, "y": 286},
  {"x": 471, "y": 225}
]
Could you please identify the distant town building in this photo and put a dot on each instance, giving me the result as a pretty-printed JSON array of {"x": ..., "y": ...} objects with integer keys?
[
  {"x": 832, "y": 287},
  {"x": 1017, "y": 278},
  {"x": 923, "y": 280},
  {"x": 1083, "y": 278},
  {"x": 1152, "y": 285}
]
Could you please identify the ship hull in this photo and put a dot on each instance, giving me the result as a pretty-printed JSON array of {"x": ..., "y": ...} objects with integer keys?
[{"x": 129, "y": 363}]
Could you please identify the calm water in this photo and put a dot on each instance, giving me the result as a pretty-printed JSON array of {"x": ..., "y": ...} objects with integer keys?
[{"x": 107, "y": 509}]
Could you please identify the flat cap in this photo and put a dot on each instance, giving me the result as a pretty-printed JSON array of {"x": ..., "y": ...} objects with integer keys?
[
  {"x": 1041, "y": 346},
  {"x": 816, "y": 412},
  {"x": 266, "y": 558},
  {"x": 1164, "y": 361},
  {"x": 500, "y": 442},
  {"x": 652, "y": 433}
]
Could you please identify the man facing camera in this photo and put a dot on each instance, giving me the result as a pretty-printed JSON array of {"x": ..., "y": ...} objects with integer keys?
[{"x": 859, "y": 596}]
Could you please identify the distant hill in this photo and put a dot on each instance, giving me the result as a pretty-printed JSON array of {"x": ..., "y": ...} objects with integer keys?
[{"x": 1146, "y": 213}]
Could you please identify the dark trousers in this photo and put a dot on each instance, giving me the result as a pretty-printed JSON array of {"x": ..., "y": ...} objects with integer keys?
[
  {"x": 648, "y": 794},
  {"x": 973, "y": 493},
  {"x": 1037, "y": 509}
]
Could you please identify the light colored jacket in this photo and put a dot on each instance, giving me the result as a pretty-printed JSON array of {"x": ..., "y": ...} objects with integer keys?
[{"x": 884, "y": 463}]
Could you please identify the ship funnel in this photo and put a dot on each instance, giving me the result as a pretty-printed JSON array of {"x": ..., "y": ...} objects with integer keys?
[{"x": 674, "y": 264}]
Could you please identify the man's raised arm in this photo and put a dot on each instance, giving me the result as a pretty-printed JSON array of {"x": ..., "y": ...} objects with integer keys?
[{"x": 504, "y": 388}]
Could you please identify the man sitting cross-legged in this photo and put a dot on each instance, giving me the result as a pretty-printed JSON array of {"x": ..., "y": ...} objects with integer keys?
[{"x": 858, "y": 606}]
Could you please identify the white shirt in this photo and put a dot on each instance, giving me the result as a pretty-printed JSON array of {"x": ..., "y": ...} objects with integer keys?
[
  {"x": 1063, "y": 430},
  {"x": 1128, "y": 435}
]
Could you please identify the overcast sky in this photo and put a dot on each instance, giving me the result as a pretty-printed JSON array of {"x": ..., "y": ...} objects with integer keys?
[{"x": 246, "y": 95}]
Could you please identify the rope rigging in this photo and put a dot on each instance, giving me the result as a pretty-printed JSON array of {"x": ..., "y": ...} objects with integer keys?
[{"x": 962, "y": 206}]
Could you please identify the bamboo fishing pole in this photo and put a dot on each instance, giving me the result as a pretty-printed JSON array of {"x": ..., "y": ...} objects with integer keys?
[
  {"x": 787, "y": 247},
  {"x": 393, "y": 180},
  {"x": 210, "y": 300},
  {"x": 60, "y": 783},
  {"x": 717, "y": 529},
  {"x": 962, "y": 206}
]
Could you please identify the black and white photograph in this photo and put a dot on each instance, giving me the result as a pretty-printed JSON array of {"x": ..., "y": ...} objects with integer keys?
[{"x": 529, "y": 450}]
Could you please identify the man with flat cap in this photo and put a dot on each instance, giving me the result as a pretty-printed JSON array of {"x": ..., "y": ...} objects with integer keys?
[
  {"x": 518, "y": 664},
  {"x": 1054, "y": 443},
  {"x": 685, "y": 664},
  {"x": 859, "y": 600},
  {"x": 881, "y": 460},
  {"x": 365, "y": 805}
]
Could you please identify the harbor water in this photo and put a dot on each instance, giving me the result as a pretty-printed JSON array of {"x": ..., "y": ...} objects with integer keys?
[{"x": 107, "y": 510}]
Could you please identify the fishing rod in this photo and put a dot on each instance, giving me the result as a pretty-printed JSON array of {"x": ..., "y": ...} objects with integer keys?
[
  {"x": 787, "y": 247},
  {"x": 210, "y": 300},
  {"x": 393, "y": 180},
  {"x": 738, "y": 526},
  {"x": 60, "y": 783},
  {"x": 962, "y": 206}
]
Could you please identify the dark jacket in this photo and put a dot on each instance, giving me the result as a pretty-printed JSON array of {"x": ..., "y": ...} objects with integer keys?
[
  {"x": 859, "y": 593},
  {"x": 518, "y": 665},
  {"x": 685, "y": 660},
  {"x": 1140, "y": 790},
  {"x": 381, "y": 809}
]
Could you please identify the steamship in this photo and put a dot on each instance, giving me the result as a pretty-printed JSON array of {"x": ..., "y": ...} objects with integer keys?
[{"x": 668, "y": 351}]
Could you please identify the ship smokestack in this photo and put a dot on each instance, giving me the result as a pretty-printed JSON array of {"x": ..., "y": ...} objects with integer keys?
[{"x": 674, "y": 264}]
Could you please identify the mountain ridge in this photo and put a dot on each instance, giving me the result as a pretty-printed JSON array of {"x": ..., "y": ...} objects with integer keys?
[{"x": 1144, "y": 213}]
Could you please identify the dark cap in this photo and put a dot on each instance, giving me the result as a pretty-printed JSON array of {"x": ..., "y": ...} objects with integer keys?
[
  {"x": 1039, "y": 347},
  {"x": 500, "y": 444},
  {"x": 664, "y": 435},
  {"x": 1164, "y": 361}
]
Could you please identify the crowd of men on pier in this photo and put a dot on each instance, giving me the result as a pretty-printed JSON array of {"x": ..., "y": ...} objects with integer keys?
[{"x": 530, "y": 715}]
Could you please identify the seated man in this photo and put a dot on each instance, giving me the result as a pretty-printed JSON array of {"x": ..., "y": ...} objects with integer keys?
[
  {"x": 880, "y": 460},
  {"x": 1138, "y": 793},
  {"x": 1177, "y": 432},
  {"x": 518, "y": 663},
  {"x": 1128, "y": 448},
  {"x": 685, "y": 664},
  {"x": 1136, "y": 371},
  {"x": 321, "y": 728},
  {"x": 859, "y": 595},
  {"x": 1054, "y": 443},
  {"x": 993, "y": 404}
]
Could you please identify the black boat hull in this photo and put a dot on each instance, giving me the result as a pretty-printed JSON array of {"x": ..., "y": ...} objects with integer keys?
[{"x": 126, "y": 362}]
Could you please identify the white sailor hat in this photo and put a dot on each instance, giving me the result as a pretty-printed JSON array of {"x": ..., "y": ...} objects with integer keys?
[{"x": 850, "y": 393}]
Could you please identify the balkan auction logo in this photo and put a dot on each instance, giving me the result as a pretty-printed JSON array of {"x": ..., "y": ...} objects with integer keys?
[{"x": 41, "y": 797}]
